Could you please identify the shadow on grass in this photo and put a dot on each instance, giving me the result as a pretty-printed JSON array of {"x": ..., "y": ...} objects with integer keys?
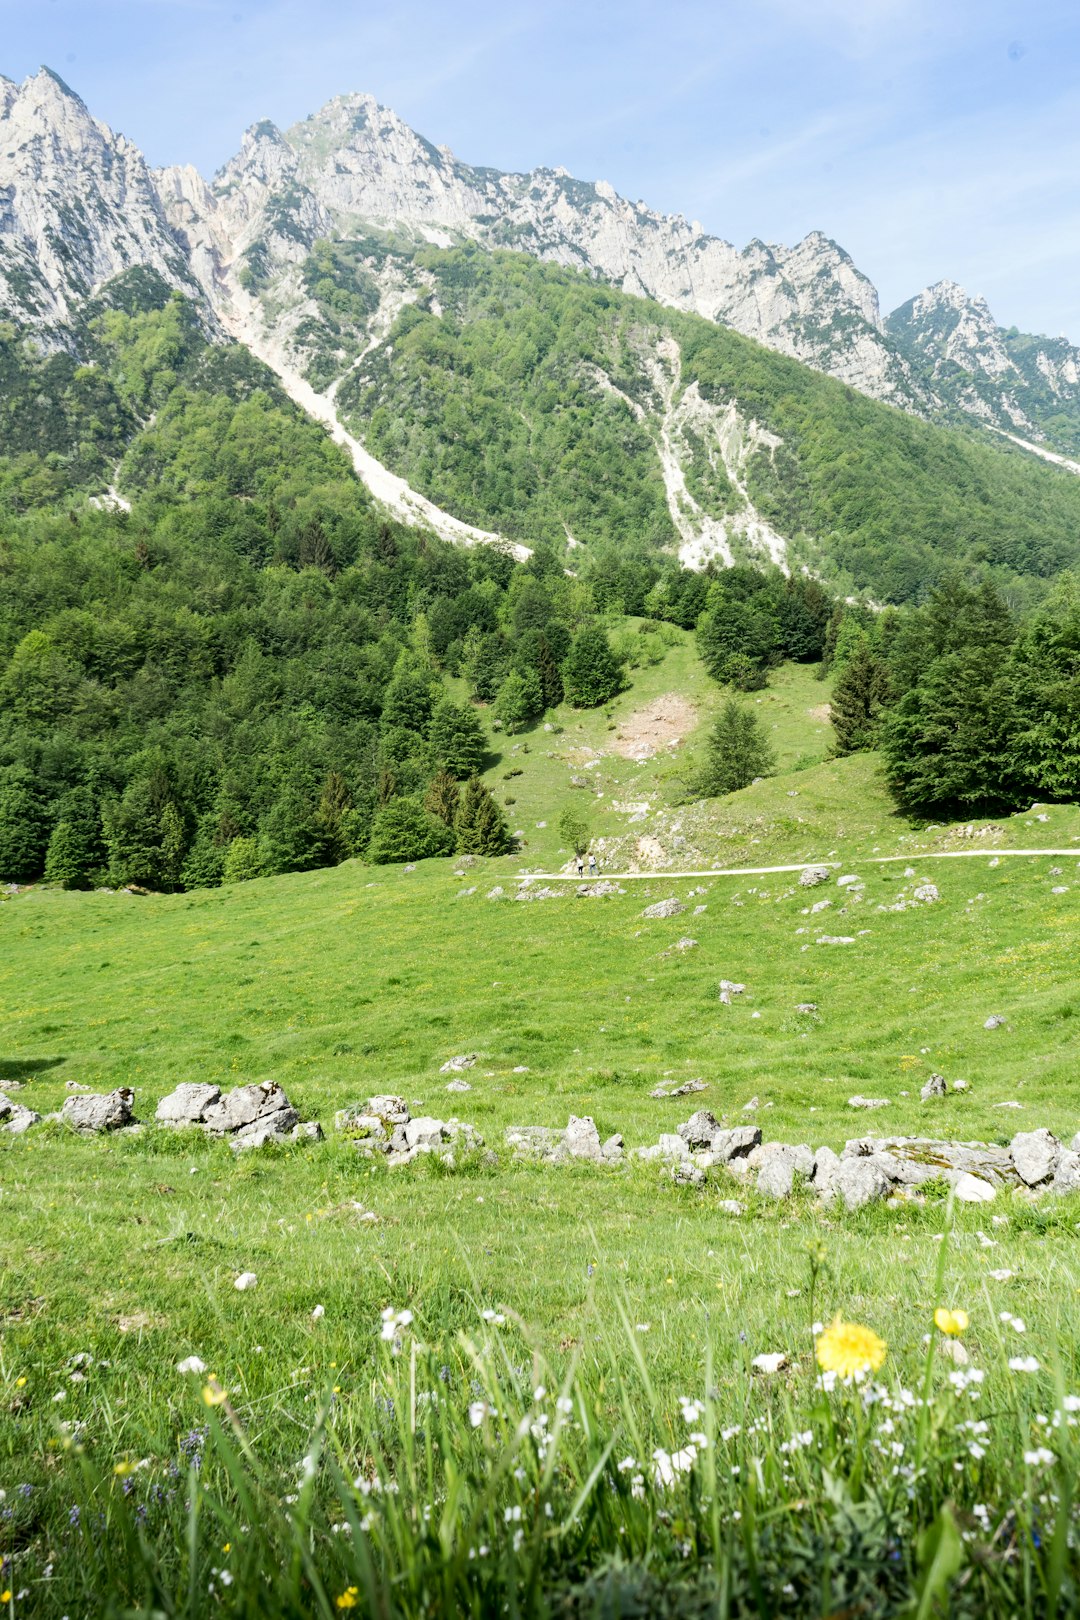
[{"x": 26, "y": 1068}]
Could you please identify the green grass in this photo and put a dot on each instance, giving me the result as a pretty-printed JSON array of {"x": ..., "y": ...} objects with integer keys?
[{"x": 345, "y": 982}]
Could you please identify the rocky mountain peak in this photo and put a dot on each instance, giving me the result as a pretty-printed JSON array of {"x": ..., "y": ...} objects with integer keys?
[{"x": 77, "y": 206}]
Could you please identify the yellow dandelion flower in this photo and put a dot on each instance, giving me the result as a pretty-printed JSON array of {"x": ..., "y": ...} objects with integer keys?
[
  {"x": 5, "y": 1597},
  {"x": 20, "y": 1383},
  {"x": 950, "y": 1321},
  {"x": 849, "y": 1350},
  {"x": 213, "y": 1394},
  {"x": 347, "y": 1599},
  {"x": 227, "y": 1547},
  {"x": 123, "y": 1469}
]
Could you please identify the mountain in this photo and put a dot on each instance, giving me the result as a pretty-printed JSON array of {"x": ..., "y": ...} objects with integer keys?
[
  {"x": 1015, "y": 383},
  {"x": 356, "y": 163},
  {"x": 519, "y": 358},
  {"x": 78, "y": 206}
]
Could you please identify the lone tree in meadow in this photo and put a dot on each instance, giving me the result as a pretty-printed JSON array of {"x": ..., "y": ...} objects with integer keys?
[
  {"x": 574, "y": 831},
  {"x": 481, "y": 827},
  {"x": 737, "y": 751}
]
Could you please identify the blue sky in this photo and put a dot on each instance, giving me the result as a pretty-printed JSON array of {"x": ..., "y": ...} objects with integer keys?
[{"x": 931, "y": 138}]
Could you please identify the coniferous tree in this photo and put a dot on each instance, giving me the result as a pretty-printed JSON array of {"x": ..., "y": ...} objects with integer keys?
[
  {"x": 457, "y": 738},
  {"x": 737, "y": 751},
  {"x": 481, "y": 827},
  {"x": 334, "y": 803},
  {"x": 24, "y": 833},
  {"x": 443, "y": 798},
  {"x": 857, "y": 701},
  {"x": 404, "y": 831},
  {"x": 520, "y": 699},
  {"x": 591, "y": 673}
]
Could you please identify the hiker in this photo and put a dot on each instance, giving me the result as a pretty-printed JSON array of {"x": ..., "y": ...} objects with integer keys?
[
  {"x": 592, "y": 865},
  {"x": 580, "y": 867}
]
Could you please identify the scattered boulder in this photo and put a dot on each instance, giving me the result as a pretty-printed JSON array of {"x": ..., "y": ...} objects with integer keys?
[
  {"x": 811, "y": 876},
  {"x": 14, "y": 1118},
  {"x": 91, "y": 1113},
  {"x": 835, "y": 939},
  {"x": 664, "y": 908},
  {"x": 867, "y": 1102},
  {"x": 253, "y": 1115},
  {"x": 1035, "y": 1155},
  {"x": 847, "y": 881},
  {"x": 699, "y": 1130},
  {"x": 806, "y": 1007},
  {"x": 993, "y": 1022},
  {"x": 736, "y": 1143},
  {"x": 687, "y": 1089},
  {"x": 454, "y": 1065},
  {"x": 973, "y": 1190},
  {"x": 189, "y": 1104},
  {"x": 458, "y": 1085},
  {"x": 779, "y": 1166},
  {"x": 1067, "y": 1172},
  {"x": 926, "y": 894},
  {"x": 580, "y": 1140},
  {"x": 857, "y": 1182},
  {"x": 384, "y": 1125},
  {"x": 728, "y": 989},
  {"x": 934, "y": 1087}
]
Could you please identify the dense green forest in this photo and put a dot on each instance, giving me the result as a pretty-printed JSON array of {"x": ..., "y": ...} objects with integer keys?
[{"x": 511, "y": 396}]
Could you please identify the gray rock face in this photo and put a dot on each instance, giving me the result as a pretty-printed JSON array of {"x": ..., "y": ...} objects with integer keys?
[
  {"x": 92, "y": 1113},
  {"x": 779, "y": 1166},
  {"x": 664, "y": 908},
  {"x": 1035, "y": 1155},
  {"x": 189, "y": 1104},
  {"x": 78, "y": 205},
  {"x": 974, "y": 1190},
  {"x": 934, "y": 1087}
]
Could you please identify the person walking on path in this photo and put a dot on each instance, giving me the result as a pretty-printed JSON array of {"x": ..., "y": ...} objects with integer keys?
[
  {"x": 592, "y": 865},
  {"x": 580, "y": 867}
]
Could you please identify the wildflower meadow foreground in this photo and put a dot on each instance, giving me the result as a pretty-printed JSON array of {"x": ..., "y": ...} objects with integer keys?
[{"x": 469, "y": 1473}]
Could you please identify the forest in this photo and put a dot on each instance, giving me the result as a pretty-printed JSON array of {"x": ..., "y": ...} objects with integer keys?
[{"x": 253, "y": 671}]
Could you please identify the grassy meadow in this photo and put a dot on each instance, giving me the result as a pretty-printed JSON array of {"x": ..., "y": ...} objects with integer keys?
[{"x": 332, "y": 1458}]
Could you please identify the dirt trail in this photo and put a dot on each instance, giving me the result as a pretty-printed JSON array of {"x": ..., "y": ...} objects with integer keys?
[{"x": 910, "y": 859}]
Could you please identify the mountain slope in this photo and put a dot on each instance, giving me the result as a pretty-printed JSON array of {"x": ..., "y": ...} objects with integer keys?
[
  {"x": 1012, "y": 381},
  {"x": 356, "y": 163}
]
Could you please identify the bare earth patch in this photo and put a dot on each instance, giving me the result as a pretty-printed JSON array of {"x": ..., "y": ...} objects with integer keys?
[
  {"x": 664, "y": 723},
  {"x": 821, "y": 712}
]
